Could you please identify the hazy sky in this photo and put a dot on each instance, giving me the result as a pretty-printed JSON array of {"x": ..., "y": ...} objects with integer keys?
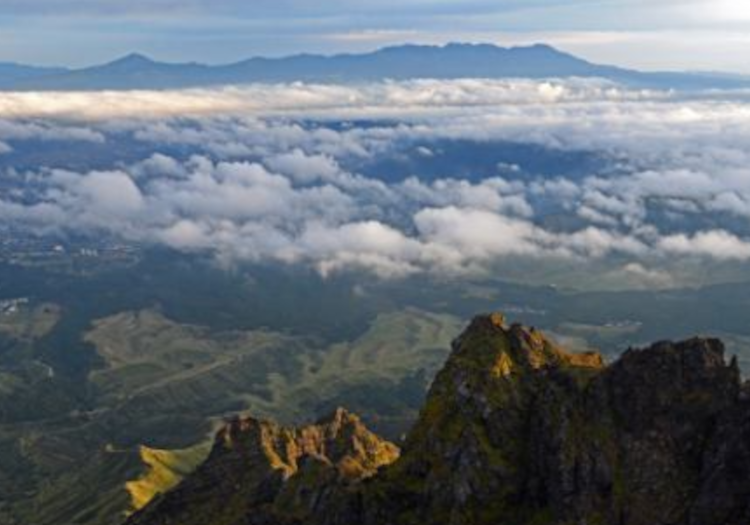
[{"x": 649, "y": 34}]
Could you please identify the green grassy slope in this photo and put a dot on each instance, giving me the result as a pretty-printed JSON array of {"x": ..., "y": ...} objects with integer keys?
[{"x": 166, "y": 385}]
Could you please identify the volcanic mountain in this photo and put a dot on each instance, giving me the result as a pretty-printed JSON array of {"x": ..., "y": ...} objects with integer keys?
[{"x": 516, "y": 431}]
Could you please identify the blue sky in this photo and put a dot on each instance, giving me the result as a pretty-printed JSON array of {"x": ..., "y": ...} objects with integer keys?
[{"x": 648, "y": 34}]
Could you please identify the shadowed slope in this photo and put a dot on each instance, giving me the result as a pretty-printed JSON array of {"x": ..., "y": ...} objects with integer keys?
[{"x": 514, "y": 430}]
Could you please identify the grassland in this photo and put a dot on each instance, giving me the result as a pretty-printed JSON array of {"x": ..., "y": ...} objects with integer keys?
[
  {"x": 29, "y": 322},
  {"x": 155, "y": 365},
  {"x": 162, "y": 387},
  {"x": 166, "y": 468},
  {"x": 382, "y": 375},
  {"x": 145, "y": 352}
]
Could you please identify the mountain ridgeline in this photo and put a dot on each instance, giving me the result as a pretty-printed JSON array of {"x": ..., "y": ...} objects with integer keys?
[
  {"x": 514, "y": 430},
  {"x": 452, "y": 61}
]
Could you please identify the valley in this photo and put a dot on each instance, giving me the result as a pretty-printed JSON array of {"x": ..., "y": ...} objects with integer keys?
[{"x": 158, "y": 382}]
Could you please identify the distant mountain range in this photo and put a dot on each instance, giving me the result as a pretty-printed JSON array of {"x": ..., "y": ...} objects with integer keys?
[
  {"x": 11, "y": 73},
  {"x": 451, "y": 61}
]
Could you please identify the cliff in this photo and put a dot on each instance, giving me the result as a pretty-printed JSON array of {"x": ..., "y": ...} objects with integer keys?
[{"x": 515, "y": 430}]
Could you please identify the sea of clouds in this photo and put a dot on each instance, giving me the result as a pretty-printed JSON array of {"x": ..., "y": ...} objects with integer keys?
[{"x": 261, "y": 183}]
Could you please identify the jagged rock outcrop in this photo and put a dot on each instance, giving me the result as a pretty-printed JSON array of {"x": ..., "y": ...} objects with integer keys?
[
  {"x": 259, "y": 472},
  {"x": 514, "y": 431}
]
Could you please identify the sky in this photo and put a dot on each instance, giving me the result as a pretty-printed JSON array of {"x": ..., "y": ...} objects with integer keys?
[{"x": 651, "y": 35}]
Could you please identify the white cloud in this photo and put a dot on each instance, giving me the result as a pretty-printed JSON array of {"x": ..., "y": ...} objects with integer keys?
[
  {"x": 241, "y": 173},
  {"x": 305, "y": 168},
  {"x": 386, "y": 99},
  {"x": 108, "y": 193},
  {"x": 715, "y": 244},
  {"x": 647, "y": 276},
  {"x": 158, "y": 165},
  {"x": 13, "y": 130}
]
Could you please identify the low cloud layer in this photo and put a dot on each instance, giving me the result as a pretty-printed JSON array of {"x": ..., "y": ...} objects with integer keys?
[
  {"x": 272, "y": 174},
  {"x": 382, "y": 99}
]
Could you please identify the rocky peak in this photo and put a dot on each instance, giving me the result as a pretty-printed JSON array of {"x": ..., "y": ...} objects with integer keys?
[
  {"x": 655, "y": 385},
  {"x": 341, "y": 419},
  {"x": 489, "y": 346},
  {"x": 257, "y": 464},
  {"x": 692, "y": 363},
  {"x": 514, "y": 430}
]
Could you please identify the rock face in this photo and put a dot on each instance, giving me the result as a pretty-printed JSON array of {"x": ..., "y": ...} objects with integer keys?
[
  {"x": 514, "y": 431},
  {"x": 262, "y": 473}
]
